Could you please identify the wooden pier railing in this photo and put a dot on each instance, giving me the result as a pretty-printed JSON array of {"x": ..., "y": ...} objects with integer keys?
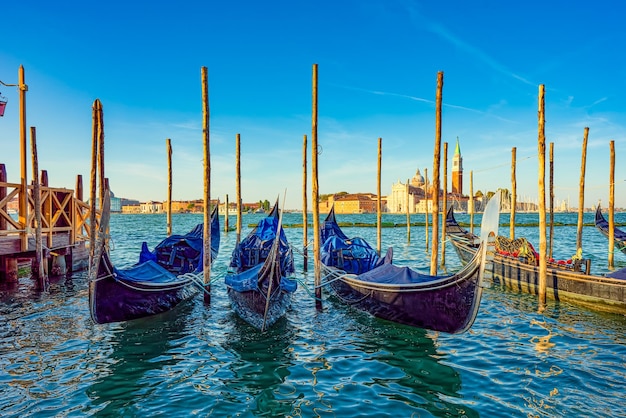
[{"x": 64, "y": 222}]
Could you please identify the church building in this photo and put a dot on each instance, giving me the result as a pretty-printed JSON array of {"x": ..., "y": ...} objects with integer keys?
[{"x": 419, "y": 191}]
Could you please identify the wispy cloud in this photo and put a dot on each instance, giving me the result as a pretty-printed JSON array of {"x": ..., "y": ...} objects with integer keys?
[{"x": 441, "y": 31}]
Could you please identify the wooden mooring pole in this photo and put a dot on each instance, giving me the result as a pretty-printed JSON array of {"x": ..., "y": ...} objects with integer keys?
[
  {"x": 513, "y": 193},
  {"x": 426, "y": 210},
  {"x": 3, "y": 193},
  {"x": 206, "y": 259},
  {"x": 581, "y": 194},
  {"x": 37, "y": 270},
  {"x": 471, "y": 210},
  {"x": 168, "y": 146},
  {"x": 238, "y": 182},
  {"x": 315, "y": 197},
  {"x": 93, "y": 178},
  {"x": 436, "y": 159},
  {"x": 408, "y": 214},
  {"x": 541, "y": 148},
  {"x": 612, "y": 204},
  {"x": 379, "y": 208},
  {"x": 305, "y": 221}
]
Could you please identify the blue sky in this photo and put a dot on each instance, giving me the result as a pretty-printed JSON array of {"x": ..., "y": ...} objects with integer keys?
[{"x": 378, "y": 64}]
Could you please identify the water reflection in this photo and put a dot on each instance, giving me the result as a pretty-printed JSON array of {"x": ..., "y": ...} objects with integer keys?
[
  {"x": 415, "y": 373},
  {"x": 134, "y": 358},
  {"x": 260, "y": 366}
]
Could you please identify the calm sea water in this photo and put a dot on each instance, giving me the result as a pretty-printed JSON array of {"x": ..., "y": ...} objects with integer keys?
[{"x": 202, "y": 360}]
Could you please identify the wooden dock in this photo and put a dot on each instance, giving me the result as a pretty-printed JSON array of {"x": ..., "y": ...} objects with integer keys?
[{"x": 64, "y": 227}]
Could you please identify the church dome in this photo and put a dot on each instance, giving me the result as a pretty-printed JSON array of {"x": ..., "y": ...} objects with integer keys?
[{"x": 418, "y": 179}]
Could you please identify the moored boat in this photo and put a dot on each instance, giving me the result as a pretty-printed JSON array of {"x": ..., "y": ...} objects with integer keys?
[
  {"x": 447, "y": 303},
  {"x": 145, "y": 289},
  {"x": 258, "y": 282},
  {"x": 602, "y": 225},
  {"x": 516, "y": 266}
]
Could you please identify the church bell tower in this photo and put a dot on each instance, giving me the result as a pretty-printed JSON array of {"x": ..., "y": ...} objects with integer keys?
[{"x": 457, "y": 170}]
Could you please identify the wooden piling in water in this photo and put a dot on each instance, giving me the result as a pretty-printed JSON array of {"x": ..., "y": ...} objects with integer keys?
[
  {"x": 612, "y": 203},
  {"x": 471, "y": 211},
  {"x": 206, "y": 259},
  {"x": 581, "y": 193},
  {"x": 437, "y": 157},
  {"x": 315, "y": 193},
  {"x": 93, "y": 178},
  {"x": 426, "y": 210},
  {"x": 168, "y": 146},
  {"x": 3, "y": 193},
  {"x": 238, "y": 181},
  {"x": 305, "y": 221},
  {"x": 541, "y": 146},
  {"x": 408, "y": 214},
  {"x": 513, "y": 193},
  {"x": 37, "y": 270},
  {"x": 445, "y": 203},
  {"x": 379, "y": 208},
  {"x": 101, "y": 152}
]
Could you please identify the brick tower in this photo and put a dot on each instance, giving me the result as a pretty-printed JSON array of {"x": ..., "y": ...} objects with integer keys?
[{"x": 457, "y": 170}]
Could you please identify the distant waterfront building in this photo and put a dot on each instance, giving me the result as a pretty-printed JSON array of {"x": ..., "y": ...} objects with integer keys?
[
  {"x": 420, "y": 193},
  {"x": 115, "y": 203},
  {"x": 352, "y": 203},
  {"x": 151, "y": 207},
  {"x": 416, "y": 189}
]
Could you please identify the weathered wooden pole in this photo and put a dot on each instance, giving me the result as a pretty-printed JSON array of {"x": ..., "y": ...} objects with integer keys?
[
  {"x": 612, "y": 204},
  {"x": 78, "y": 190},
  {"x": 168, "y": 146},
  {"x": 426, "y": 209},
  {"x": 551, "y": 199},
  {"x": 408, "y": 214},
  {"x": 37, "y": 270},
  {"x": 543, "y": 266},
  {"x": 379, "y": 207},
  {"x": 101, "y": 152},
  {"x": 315, "y": 193},
  {"x": 305, "y": 221},
  {"x": 93, "y": 178},
  {"x": 206, "y": 259},
  {"x": 3, "y": 193},
  {"x": 437, "y": 157},
  {"x": 513, "y": 193},
  {"x": 238, "y": 181},
  {"x": 78, "y": 195},
  {"x": 23, "y": 197},
  {"x": 471, "y": 211},
  {"x": 581, "y": 193},
  {"x": 445, "y": 203}
]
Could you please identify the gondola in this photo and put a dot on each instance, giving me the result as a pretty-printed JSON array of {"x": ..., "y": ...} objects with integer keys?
[
  {"x": 447, "y": 303},
  {"x": 150, "y": 287},
  {"x": 516, "y": 267},
  {"x": 619, "y": 236},
  {"x": 351, "y": 255},
  {"x": 180, "y": 254},
  {"x": 258, "y": 281}
]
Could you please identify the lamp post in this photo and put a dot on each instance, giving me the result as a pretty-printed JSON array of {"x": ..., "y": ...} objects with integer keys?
[{"x": 23, "y": 207}]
